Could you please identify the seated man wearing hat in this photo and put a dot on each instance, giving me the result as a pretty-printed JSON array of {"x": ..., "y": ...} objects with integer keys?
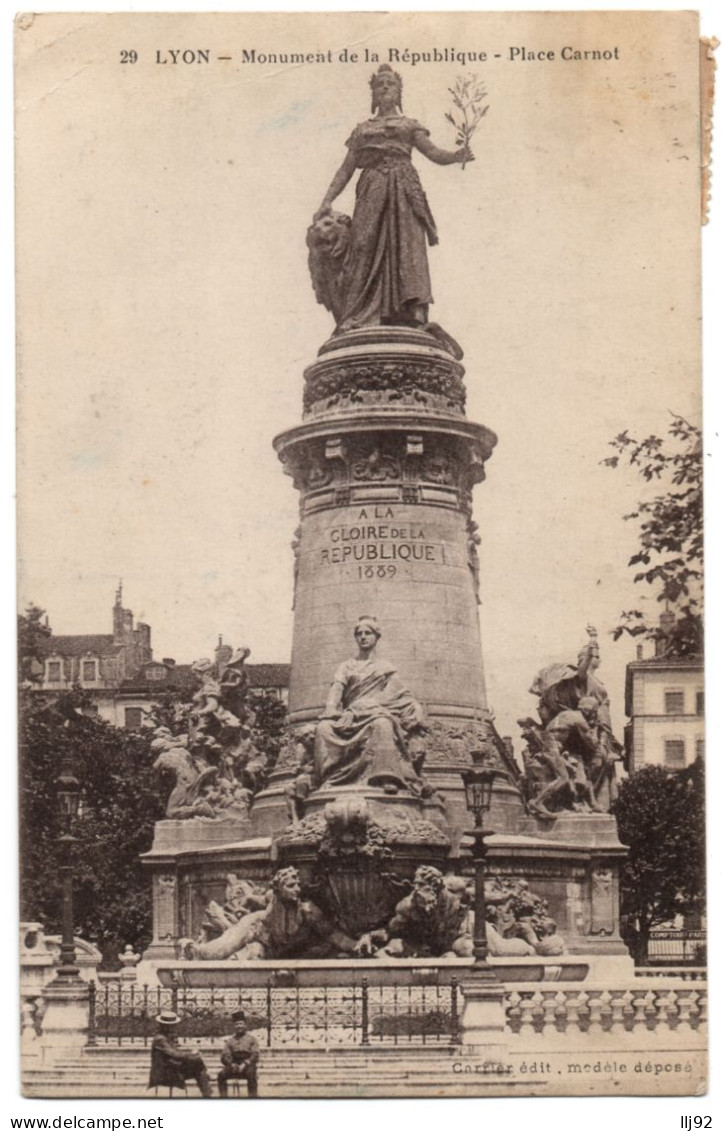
[
  {"x": 172, "y": 1066},
  {"x": 239, "y": 1058}
]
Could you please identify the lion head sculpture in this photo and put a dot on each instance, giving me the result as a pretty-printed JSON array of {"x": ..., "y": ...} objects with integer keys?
[{"x": 327, "y": 240}]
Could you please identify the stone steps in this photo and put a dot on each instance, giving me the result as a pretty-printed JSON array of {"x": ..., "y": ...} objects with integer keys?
[
  {"x": 278, "y": 1059},
  {"x": 341, "y": 1084},
  {"x": 124, "y": 1072},
  {"x": 138, "y": 1072},
  {"x": 336, "y": 1089}
]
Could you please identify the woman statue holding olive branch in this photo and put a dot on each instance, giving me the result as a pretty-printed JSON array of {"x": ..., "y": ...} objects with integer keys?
[{"x": 384, "y": 275}]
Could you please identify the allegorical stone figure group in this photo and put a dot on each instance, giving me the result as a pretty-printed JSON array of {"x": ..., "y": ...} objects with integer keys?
[
  {"x": 214, "y": 768},
  {"x": 372, "y": 733},
  {"x": 571, "y": 752},
  {"x": 434, "y": 918}
]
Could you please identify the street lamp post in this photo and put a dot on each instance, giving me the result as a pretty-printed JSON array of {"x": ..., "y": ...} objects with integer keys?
[
  {"x": 66, "y": 1022},
  {"x": 68, "y": 790},
  {"x": 478, "y": 785}
]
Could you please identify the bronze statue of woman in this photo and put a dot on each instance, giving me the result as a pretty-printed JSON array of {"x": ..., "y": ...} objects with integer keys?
[{"x": 385, "y": 273}]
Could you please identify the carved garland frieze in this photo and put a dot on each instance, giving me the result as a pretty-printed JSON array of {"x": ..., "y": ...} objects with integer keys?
[
  {"x": 405, "y": 459},
  {"x": 416, "y": 382},
  {"x": 377, "y": 467},
  {"x": 450, "y": 744}
]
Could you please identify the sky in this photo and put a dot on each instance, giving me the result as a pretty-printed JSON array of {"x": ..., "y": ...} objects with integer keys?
[{"x": 166, "y": 316}]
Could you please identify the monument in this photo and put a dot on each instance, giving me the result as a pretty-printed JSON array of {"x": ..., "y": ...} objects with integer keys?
[{"x": 353, "y": 845}]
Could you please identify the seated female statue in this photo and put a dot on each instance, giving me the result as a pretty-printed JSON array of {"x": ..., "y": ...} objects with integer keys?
[{"x": 368, "y": 718}]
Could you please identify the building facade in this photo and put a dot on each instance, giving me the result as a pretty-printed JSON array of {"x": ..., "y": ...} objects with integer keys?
[
  {"x": 122, "y": 680},
  {"x": 664, "y": 701},
  {"x": 96, "y": 662}
]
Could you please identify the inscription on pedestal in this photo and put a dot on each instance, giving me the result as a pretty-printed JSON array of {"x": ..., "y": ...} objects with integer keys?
[
  {"x": 409, "y": 566},
  {"x": 381, "y": 542}
]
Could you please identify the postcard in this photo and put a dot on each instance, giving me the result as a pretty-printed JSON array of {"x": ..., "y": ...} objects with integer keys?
[{"x": 360, "y": 553}]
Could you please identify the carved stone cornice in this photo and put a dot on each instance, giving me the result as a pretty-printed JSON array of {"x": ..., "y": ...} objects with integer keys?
[{"x": 431, "y": 461}]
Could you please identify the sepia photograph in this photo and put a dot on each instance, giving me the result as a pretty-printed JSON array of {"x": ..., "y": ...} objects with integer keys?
[{"x": 361, "y": 716}]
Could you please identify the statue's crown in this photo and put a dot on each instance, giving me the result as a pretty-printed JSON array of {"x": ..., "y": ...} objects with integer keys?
[{"x": 385, "y": 69}]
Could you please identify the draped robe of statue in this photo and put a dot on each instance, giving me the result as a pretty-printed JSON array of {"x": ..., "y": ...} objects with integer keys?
[
  {"x": 386, "y": 271},
  {"x": 372, "y": 748}
]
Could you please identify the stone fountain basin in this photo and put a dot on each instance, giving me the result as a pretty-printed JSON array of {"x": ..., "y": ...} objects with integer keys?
[{"x": 346, "y": 972}]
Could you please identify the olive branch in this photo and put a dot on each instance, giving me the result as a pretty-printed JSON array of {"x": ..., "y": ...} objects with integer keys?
[{"x": 467, "y": 94}]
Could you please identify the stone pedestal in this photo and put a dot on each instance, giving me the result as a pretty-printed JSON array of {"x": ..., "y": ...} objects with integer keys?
[
  {"x": 187, "y": 875},
  {"x": 574, "y": 867},
  {"x": 483, "y": 1018},
  {"x": 30, "y": 1043},
  {"x": 36, "y": 961},
  {"x": 590, "y": 842},
  {"x": 66, "y": 1017},
  {"x": 379, "y": 803},
  {"x": 385, "y": 462}
]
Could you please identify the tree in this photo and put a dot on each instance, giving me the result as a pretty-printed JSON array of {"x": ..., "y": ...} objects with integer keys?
[
  {"x": 33, "y": 629},
  {"x": 660, "y": 816},
  {"x": 269, "y": 726},
  {"x": 670, "y": 533},
  {"x": 119, "y": 803}
]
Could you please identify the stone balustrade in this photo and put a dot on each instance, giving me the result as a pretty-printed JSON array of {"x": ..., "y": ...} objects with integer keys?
[{"x": 678, "y": 1005}]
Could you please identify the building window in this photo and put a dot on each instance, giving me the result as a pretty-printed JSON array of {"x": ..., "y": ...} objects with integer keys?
[
  {"x": 55, "y": 671},
  {"x": 700, "y": 702},
  {"x": 674, "y": 753},
  {"x": 699, "y": 748},
  {"x": 89, "y": 671},
  {"x": 155, "y": 673},
  {"x": 674, "y": 702},
  {"x": 133, "y": 718}
]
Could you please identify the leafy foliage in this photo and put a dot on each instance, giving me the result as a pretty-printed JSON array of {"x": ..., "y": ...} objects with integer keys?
[
  {"x": 670, "y": 533},
  {"x": 119, "y": 798},
  {"x": 660, "y": 816},
  {"x": 172, "y": 710},
  {"x": 119, "y": 805},
  {"x": 269, "y": 725},
  {"x": 32, "y": 631},
  {"x": 468, "y": 95}
]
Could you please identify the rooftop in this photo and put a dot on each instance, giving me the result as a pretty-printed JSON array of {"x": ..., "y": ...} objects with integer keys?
[
  {"x": 268, "y": 675},
  {"x": 79, "y": 645}
]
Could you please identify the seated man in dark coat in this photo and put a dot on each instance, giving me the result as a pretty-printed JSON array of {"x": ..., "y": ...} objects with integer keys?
[
  {"x": 239, "y": 1058},
  {"x": 172, "y": 1066}
]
